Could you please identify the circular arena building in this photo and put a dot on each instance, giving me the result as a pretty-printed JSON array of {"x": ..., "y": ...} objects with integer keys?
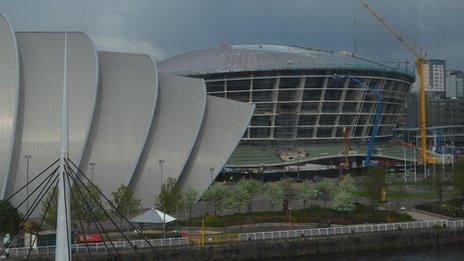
[{"x": 302, "y": 96}]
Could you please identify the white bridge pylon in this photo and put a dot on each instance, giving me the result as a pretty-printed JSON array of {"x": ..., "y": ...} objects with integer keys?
[{"x": 63, "y": 219}]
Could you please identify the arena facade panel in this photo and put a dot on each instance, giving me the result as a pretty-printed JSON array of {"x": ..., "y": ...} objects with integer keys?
[
  {"x": 9, "y": 93},
  {"x": 129, "y": 91},
  {"x": 216, "y": 142},
  {"x": 41, "y": 70},
  {"x": 123, "y": 116},
  {"x": 180, "y": 112}
]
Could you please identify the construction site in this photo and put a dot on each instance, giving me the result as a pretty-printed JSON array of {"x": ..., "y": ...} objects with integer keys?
[{"x": 319, "y": 110}]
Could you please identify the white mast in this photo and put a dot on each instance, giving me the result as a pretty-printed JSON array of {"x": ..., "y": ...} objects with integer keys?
[{"x": 63, "y": 219}]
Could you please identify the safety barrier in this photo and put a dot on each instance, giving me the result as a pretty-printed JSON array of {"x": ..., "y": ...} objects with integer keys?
[
  {"x": 211, "y": 239},
  {"x": 95, "y": 247},
  {"x": 355, "y": 229}
]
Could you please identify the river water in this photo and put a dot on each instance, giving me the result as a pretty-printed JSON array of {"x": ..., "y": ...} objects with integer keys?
[{"x": 452, "y": 252}]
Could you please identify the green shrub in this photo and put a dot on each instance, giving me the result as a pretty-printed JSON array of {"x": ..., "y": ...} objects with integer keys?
[
  {"x": 314, "y": 214},
  {"x": 451, "y": 208}
]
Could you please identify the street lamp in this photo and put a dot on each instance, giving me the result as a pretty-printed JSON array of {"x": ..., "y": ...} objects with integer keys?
[
  {"x": 27, "y": 157},
  {"x": 92, "y": 166},
  {"x": 289, "y": 216},
  {"x": 388, "y": 212},
  {"x": 298, "y": 160},
  {"x": 211, "y": 174},
  {"x": 262, "y": 173},
  {"x": 161, "y": 163}
]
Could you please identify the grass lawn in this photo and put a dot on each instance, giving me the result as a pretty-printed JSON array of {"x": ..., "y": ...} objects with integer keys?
[
  {"x": 313, "y": 214},
  {"x": 451, "y": 208}
]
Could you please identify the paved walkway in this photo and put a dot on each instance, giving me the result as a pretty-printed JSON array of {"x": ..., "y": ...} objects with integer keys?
[{"x": 424, "y": 215}]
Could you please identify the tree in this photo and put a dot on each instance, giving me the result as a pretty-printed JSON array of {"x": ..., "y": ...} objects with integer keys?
[
  {"x": 50, "y": 216},
  {"x": 190, "y": 198},
  {"x": 398, "y": 193},
  {"x": 169, "y": 199},
  {"x": 88, "y": 205},
  {"x": 238, "y": 197},
  {"x": 307, "y": 192},
  {"x": 344, "y": 195},
  {"x": 9, "y": 217},
  {"x": 274, "y": 193},
  {"x": 437, "y": 183},
  {"x": 347, "y": 184},
  {"x": 374, "y": 184},
  {"x": 248, "y": 189},
  {"x": 218, "y": 195},
  {"x": 325, "y": 189},
  {"x": 124, "y": 201},
  {"x": 458, "y": 178},
  {"x": 289, "y": 192},
  {"x": 85, "y": 207},
  {"x": 344, "y": 201}
]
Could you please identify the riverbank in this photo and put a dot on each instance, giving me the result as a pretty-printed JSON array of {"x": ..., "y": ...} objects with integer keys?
[
  {"x": 286, "y": 248},
  {"x": 295, "y": 247}
]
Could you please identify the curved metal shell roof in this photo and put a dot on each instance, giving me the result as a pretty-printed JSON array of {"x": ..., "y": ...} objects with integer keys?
[
  {"x": 9, "y": 91},
  {"x": 129, "y": 91},
  {"x": 180, "y": 112},
  {"x": 41, "y": 55},
  {"x": 122, "y": 117},
  {"x": 224, "y": 123},
  {"x": 243, "y": 58}
]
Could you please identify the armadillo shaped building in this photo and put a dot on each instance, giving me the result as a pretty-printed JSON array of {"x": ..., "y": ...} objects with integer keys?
[{"x": 127, "y": 123}]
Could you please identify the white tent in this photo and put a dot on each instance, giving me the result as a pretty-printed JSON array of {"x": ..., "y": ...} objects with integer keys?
[{"x": 153, "y": 216}]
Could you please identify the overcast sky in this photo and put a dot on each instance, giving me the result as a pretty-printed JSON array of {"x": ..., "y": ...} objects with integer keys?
[{"x": 168, "y": 27}]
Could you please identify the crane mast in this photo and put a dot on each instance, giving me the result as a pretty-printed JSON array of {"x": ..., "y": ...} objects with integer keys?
[{"x": 421, "y": 60}]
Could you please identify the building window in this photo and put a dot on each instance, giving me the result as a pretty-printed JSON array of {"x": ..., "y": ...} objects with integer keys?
[
  {"x": 287, "y": 83},
  {"x": 309, "y": 107},
  {"x": 327, "y": 119},
  {"x": 314, "y": 82},
  {"x": 305, "y": 132},
  {"x": 262, "y": 84},
  {"x": 309, "y": 95},
  {"x": 330, "y": 107},
  {"x": 238, "y": 85},
  {"x": 333, "y": 95},
  {"x": 307, "y": 120},
  {"x": 324, "y": 132}
]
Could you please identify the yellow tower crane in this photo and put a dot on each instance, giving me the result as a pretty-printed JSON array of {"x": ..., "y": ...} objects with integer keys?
[{"x": 421, "y": 60}]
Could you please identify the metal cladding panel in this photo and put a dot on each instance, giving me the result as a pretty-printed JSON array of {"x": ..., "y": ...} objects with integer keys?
[
  {"x": 181, "y": 106},
  {"x": 9, "y": 91},
  {"x": 42, "y": 64},
  {"x": 129, "y": 90},
  {"x": 224, "y": 123},
  {"x": 248, "y": 58}
]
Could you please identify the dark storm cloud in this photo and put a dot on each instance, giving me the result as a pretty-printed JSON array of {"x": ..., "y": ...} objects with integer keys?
[{"x": 168, "y": 27}]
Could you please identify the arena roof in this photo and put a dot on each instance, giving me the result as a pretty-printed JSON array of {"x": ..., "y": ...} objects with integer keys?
[{"x": 242, "y": 58}]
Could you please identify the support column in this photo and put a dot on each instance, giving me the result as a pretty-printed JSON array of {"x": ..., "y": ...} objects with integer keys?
[{"x": 63, "y": 219}]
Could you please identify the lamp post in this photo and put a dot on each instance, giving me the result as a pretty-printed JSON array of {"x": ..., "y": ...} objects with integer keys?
[
  {"x": 92, "y": 166},
  {"x": 161, "y": 163},
  {"x": 405, "y": 166},
  {"x": 211, "y": 170},
  {"x": 415, "y": 164},
  {"x": 289, "y": 216},
  {"x": 388, "y": 212},
  {"x": 262, "y": 174},
  {"x": 27, "y": 157},
  {"x": 298, "y": 160}
]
